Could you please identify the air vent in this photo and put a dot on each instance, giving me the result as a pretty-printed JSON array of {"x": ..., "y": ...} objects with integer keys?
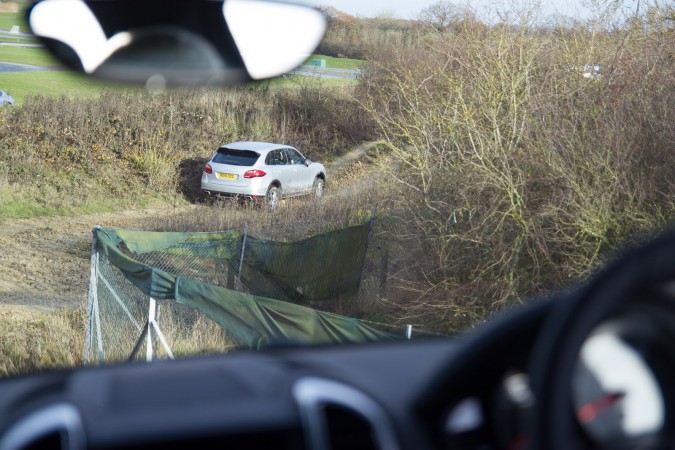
[
  {"x": 336, "y": 416},
  {"x": 51, "y": 441},
  {"x": 348, "y": 430},
  {"x": 55, "y": 427}
]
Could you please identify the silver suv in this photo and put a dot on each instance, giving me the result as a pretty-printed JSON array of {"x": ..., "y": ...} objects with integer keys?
[{"x": 261, "y": 170}]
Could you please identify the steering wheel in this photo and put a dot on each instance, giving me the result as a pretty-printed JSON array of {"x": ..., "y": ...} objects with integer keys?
[{"x": 633, "y": 292}]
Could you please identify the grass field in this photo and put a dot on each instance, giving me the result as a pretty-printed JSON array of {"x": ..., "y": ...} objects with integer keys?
[
  {"x": 339, "y": 63},
  {"x": 35, "y": 339},
  {"x": 9, "y": 19},
  {"x": 32, "y": 56},
  {"x": 52, "y": 83},
  {"x": 55, "y": 83}
]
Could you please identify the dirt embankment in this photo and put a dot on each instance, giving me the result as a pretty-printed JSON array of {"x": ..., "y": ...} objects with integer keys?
[{"x": 44, "y": 262}]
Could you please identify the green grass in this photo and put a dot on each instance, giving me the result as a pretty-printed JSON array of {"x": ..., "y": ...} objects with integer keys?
[
  {"x": 339, "y": 63},
  {"x": 52, "y": 83},
  {"x": 28, "y": 208},
  {"x": 55, "y": 83},
  {"x": 32, "y": 56},
  {"x": 8, "y": 20},
  {"x": 28, "y": 202}
]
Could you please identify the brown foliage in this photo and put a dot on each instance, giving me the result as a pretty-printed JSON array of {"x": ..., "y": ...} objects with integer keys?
[
  {"x": 516, "y": 173},
  {"x": 161, "y": 138}
]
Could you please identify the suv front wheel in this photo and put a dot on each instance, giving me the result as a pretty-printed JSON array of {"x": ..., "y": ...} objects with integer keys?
[{"x": 318, "y": 188}]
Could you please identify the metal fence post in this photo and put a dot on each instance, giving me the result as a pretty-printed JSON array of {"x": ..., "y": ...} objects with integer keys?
[
  {"x": 408, "y": 331},
  {"x": 241, "y": 259},
  {"x": 92, "y": 295},
  {"x": 97, "y": 322},
  {"x": 146, "y": 333},
  {"x": 151, "y": 319}
]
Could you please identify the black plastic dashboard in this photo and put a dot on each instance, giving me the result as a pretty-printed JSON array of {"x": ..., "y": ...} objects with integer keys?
[
  {"x": 270, "y": 399},
  {"x": 590, "y": 368}
]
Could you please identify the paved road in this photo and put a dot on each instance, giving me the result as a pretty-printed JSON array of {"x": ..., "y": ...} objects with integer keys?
[
  {"x": 12, "y": 67},
  {"x": 20, "y": 44},
  {"x": 19, "y": 33}
]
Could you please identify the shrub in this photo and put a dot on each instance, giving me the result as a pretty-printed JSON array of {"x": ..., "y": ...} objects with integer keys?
[
  {"x": 515, "y": 173},
  {"x": 146, "y": 144}
]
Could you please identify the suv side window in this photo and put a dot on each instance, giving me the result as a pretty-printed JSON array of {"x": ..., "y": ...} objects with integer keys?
[
  {"x": 294, "y": 156},
  {"x": 275, "y": 158},
  {"x": 283, "y": 159}
]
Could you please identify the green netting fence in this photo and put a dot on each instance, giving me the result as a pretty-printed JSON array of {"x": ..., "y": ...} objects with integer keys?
[{"x": 189, "y": 293}]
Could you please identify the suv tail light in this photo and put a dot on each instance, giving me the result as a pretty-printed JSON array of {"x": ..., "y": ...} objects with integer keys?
[
  {"x": 208, "y": 168},
  {"x": 254, "y": 173}
]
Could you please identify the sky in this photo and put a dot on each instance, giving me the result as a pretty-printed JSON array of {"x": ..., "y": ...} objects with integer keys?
[{"x": 409, "y": 9}]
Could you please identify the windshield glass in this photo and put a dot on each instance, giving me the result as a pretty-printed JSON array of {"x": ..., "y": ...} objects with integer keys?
[
  {"x": 463, "y": 161},
  {"x": 235, "y": 157}
]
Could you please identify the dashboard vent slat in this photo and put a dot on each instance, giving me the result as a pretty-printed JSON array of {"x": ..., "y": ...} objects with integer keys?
[
  {"x": 348, "y": 430},
  {"x": 57, "y": 426},
  {"x": 336, "y": 416}
]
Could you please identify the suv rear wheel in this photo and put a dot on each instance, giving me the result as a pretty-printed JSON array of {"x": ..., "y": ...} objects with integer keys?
[{"x": 273, "y": 197}]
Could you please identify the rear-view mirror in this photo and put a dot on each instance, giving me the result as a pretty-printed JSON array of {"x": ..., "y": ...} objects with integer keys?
[{"x": 178, "y": 42}]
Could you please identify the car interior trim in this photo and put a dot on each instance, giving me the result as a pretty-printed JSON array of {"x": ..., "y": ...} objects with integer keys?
[
  {"x": 61, "y": 418},
  {"x": 314, "y": 394}
]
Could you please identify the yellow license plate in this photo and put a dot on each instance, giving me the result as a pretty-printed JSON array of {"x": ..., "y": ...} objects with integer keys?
[{"x": 226, "y": 176}]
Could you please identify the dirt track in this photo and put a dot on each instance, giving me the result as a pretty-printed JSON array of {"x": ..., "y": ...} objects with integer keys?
[{"x": 44, "y": 262}]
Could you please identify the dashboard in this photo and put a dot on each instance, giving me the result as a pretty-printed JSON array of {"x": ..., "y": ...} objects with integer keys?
[{"x": 587, "y": 368}]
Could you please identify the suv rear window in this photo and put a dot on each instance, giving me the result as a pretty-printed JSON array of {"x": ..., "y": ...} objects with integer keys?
[{"x": 235, "y": 157}]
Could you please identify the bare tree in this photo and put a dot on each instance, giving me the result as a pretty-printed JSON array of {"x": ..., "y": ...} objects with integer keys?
[
  {"x": 443, "y": 14},
  {"x": 513, "y": 174}
]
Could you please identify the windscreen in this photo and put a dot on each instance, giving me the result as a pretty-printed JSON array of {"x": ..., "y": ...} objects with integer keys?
[{"x": 235, "y": 157}]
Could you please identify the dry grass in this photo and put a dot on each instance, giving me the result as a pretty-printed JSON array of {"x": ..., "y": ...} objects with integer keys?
[
  {"x": 201, "y": 337},
  {"x": 34, "y": 339},
  {"x": 9, "y": 7}
]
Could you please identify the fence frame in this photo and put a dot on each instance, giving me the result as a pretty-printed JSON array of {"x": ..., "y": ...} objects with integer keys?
[
  {"x": 93, "y": 320},
  {"x": 93, "y": 333}
]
